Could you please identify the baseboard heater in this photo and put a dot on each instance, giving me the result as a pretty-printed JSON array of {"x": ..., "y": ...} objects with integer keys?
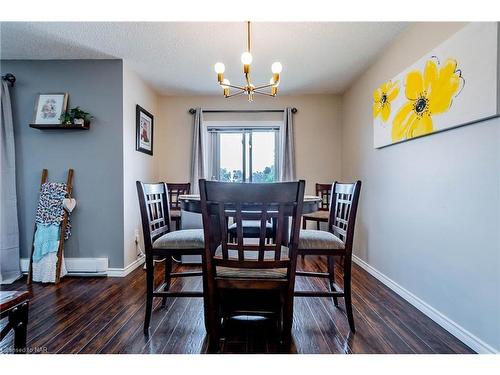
[{"x": 90, "y": 267}]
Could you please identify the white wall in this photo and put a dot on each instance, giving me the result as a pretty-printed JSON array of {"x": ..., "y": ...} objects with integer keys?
[
  {"x": 317, "y": 132},
  {"x": 429, "y": 214},
  {"x": 136, "y": 165}
]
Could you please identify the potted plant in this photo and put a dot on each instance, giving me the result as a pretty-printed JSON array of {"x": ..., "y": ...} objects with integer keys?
[{"x": 76, "y": 116}]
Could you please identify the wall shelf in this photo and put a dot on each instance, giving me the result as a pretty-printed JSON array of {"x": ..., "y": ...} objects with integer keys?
[{"x": 60, "y": 127}]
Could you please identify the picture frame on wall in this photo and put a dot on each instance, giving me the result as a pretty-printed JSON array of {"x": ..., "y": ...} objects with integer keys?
[
  {"x": 144, "y": 126},
  {"x": 49, "y": 108}
]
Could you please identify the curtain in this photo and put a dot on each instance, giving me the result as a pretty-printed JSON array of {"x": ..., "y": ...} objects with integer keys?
[
  {"x": 287, "y": 148},
  {"x": 198, "y": 162},
  {"x": 9, "y": 229}
]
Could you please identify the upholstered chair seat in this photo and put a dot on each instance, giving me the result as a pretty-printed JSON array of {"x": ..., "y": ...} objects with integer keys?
[
  {"x": 319, "y": 239},
  {"x": 181, "y": 239}
]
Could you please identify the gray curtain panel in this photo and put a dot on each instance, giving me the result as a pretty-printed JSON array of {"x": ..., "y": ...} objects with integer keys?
[
  {"x": 198, "y": 163},
  {"x": 287, "y": 148},
  {"x": 9, "y": 230}
]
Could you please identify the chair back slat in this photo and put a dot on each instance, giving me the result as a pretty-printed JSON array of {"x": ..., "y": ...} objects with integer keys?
[
  {"x": 324, "y": 192},
  {"x": 263, "y": 229},
  {"x": 155, "y": 211},
  {"x": 344, "y": 203},
  {"x": 244, "y": 202},
  {"x": 174, "y": 190}
]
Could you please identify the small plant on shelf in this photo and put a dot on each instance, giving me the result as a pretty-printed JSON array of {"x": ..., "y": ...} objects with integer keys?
[{"x": 76, "y": 116}]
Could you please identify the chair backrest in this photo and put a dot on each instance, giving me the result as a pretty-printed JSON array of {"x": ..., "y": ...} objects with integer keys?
[
  {"x": 324, "y": 192},
  {"x": 344, "y": 205},
  {"x": 244, "y": 201},
  {"x": 174, "y": 190},
  {"x": 155, "y": 211}
]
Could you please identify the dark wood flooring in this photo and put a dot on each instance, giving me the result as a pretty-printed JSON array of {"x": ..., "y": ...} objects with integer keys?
[{"x": 105, "y": 315}]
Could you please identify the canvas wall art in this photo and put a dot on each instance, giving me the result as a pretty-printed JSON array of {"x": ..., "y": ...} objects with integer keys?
[{"x": 455, "y": 84}]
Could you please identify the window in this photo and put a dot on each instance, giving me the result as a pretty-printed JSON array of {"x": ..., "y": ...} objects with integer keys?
[{"x": 248, "y": 154}]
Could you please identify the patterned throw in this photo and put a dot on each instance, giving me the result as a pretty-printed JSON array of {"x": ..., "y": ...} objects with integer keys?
[{"x": 50, "y": 208}]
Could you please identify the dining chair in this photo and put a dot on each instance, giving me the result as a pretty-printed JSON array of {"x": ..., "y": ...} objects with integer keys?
[
  {"x": 250, "y": 277},
  {"x": 160, "y": 240},
  {"x": 174, "y": 190},
  {"x": 336, "y": 241},
  {"x": 321, "y": 216}
]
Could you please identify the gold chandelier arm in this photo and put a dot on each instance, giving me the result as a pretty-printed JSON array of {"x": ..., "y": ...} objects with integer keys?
[
  {"x": 263, "y": 93},
  {"x": 233, "y": 86},
  {"x": 236, "y": 94},
  {"x": 264, "y": 86}
]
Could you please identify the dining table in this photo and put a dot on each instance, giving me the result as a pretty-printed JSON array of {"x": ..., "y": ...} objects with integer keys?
[{"x": 191, "y": 215}]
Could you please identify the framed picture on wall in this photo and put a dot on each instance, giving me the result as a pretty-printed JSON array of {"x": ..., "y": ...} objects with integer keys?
[
  {"x": 144, "y": 130},
  {"x": 49, "y": 108}
]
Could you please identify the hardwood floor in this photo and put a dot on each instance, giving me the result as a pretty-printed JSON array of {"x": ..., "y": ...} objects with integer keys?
[{"x": 105, "y": 315}]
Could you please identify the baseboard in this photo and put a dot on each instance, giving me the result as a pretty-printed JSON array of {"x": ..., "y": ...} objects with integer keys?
[
  {"x": 455, "y": 329},
  {"x": 78, "y": 266},
  {"x": 122, "y": 272}
]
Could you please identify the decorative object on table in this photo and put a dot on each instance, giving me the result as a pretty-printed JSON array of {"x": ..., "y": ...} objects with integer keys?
[
  {"x": 76, "y": 117},
  {"x": 52, "y": 228},
  {"x": 49, "y": 108},
  {"x": 144, "y": 130},
  {"x": 249, "y": 88},
  {"x": 455, "y": 84}
]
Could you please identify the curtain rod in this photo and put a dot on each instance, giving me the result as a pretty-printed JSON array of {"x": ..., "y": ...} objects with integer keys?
[
  {"x": 9, "y": 77},
  {"x": 193, "y": 111}
]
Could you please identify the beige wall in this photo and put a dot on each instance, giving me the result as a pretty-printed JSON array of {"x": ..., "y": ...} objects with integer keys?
[
  {"x": 136, "y": 165},
  {"x": 429, "y": 209},
  {"x": 316, "y": 124}
]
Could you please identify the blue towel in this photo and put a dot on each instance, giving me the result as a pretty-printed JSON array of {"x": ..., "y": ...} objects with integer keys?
[{"x": 46, "y": 240}]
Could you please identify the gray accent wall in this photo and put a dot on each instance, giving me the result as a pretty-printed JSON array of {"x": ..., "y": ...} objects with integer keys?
[{"x": 95, "y": 155}]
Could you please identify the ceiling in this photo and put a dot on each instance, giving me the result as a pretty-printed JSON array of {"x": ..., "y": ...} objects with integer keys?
[{"x": 177, "y": 58}]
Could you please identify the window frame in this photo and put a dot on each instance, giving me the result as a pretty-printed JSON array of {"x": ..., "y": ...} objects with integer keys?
[{"x": 246, "y": 128}]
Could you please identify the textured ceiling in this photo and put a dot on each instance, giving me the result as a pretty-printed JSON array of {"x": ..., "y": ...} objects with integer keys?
[{"x": 177, "y": 58}]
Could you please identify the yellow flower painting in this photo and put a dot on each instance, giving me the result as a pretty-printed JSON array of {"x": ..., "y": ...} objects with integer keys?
[
  {"x": 382, "y": 98},
  {"x": 428, "y": 94}
]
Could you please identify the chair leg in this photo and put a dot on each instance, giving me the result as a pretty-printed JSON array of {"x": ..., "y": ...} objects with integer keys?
[
  {"x": 347, "y": 292},
  {"x": 317, "y": 225},
  {"x": 287, "y": 320},
  {"x": 150, "y": 272},
  {"x": 331, "y": 272},
  {"x": 168, "y": 271},
  {"x": 304, "y": 223}
]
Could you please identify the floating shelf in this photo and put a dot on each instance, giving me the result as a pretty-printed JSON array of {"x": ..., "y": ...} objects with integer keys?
[{"x": 60, "y": 127}]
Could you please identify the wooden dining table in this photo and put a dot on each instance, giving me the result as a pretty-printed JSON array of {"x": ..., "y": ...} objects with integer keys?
[
  {"x": 191, "y": 216},
  {"x": 191, "y": 203}
]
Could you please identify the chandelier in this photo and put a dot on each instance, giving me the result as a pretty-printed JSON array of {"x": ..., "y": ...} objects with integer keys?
[{"x": 249, "y": 88}]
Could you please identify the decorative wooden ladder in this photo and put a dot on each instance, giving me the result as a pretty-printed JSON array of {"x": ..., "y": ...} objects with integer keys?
[{"x": 60, "y": 250}]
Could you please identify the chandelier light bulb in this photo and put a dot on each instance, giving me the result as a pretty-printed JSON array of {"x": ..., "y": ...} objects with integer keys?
[
  {"x": 219, "y": 68},
  {"x": 246, "y": 58},
  {"x": 276, "y": 68},
  {"x": 225, "y": 84}
]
